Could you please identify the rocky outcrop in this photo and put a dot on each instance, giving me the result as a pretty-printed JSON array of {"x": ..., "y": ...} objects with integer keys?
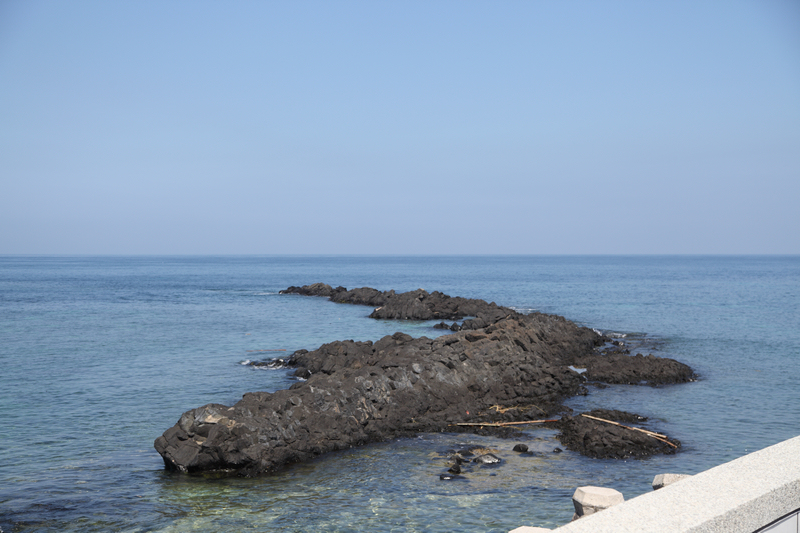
[
  {"x": 602, "y": 440},
  {"x": 412, "y": 305},
  {"x": 352, "y": 393},
  {"x": 634, "y": 370}
]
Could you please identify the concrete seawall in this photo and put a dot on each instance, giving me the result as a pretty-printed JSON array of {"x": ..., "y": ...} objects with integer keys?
[{"x": 759, "y": 492}]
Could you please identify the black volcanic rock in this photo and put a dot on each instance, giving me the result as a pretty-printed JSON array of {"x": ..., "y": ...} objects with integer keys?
[
  {"x": 634, "y": 370},
  {"x": 607, "y": 441},
  {"x": 412, "y": 305},
  {"x": 316, "y": 289},
  {"x": 515, "y": 367}
]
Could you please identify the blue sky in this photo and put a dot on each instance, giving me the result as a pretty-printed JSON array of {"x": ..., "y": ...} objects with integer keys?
[{"x": 436, "y": 127}]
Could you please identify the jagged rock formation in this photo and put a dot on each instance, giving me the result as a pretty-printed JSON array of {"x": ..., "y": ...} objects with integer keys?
[
  {"x": 358, "y": 392},
  {"x": 634, "y": 370},
  {"x": 605, "y": 441},
  {"x": 412, "y": 305}
]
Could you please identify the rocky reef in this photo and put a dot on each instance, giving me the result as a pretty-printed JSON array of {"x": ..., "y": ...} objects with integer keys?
[
  {"x": 604, "y": 434},
  {"x": 501, "y": 366},
  {"x": 412, "y": 305}
]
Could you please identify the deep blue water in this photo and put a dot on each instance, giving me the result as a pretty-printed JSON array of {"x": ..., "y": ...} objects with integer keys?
[{"x": 100, "y": 355}]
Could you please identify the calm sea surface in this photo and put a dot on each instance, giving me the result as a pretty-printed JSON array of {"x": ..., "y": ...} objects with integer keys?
[{"x": 100, "y": 355}]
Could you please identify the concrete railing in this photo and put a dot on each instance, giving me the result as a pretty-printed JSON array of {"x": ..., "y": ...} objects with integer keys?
[{"x": 759, "y": 492}]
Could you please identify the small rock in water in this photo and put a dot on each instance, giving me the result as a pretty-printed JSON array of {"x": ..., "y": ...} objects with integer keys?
[
  {"x": 455, "y": 469},
  {"x": 487, "y": 459},
  {"x": 458, "y": 459},
  {"x": 521, "y": 448}
]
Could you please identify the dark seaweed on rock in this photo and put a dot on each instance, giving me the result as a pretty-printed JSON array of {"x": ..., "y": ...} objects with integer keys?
[{"x": 515, "y": 368}]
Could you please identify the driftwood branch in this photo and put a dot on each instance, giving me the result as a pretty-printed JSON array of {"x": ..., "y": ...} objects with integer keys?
[
  {"x": 501, "y": 409},
  {"x": 502, "y": 424},
  {"x": 657, "y": 436}
]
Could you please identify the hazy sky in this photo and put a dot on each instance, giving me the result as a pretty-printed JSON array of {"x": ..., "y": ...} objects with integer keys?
[{"x": 376, "y": 127}]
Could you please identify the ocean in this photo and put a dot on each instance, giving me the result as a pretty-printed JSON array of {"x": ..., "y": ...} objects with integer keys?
[{"x": 100, "y": 355}]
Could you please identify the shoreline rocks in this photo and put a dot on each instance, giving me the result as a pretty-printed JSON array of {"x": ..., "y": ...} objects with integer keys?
[
  {"x": 512, "y": 367},
  {"x": 601, "y": 440}
]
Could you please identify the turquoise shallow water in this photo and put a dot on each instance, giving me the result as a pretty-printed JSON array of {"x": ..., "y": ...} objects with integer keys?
[{"x": 99, "y": 355}]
